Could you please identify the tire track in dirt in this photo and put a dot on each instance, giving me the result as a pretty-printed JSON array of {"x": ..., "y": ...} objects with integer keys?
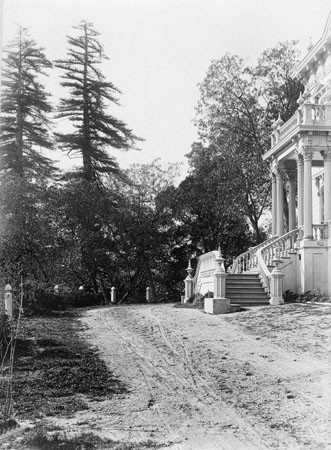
[{"x": 206, "y": 415}]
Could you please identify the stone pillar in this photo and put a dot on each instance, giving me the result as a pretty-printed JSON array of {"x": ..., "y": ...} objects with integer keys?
[
  {"x": 219, "y": 304},
  {"x": 327, "y": 185},
  {"x": 300, "y": 182},
  {"x": 291, "y": 202},
  {"x": 188, "y": 283},
  {"x": 276, "y": 285},
  {"x": 9, "y": 301},
  {"x": 280, "y": 203},
  {"x": 308, "y": 206},
  {"x": 274, "y": 204}
]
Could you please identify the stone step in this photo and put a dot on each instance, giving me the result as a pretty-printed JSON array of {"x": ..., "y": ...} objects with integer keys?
[
  {"x": 237, "y": 291},
  {"x": 243, "y": 284},
  {"x": 246, "y": 289}
]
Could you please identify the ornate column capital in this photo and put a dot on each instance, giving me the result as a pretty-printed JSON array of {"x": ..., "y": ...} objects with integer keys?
[
  {"x": 308, "y": 153},
  {"x": 326, "y": 154}
]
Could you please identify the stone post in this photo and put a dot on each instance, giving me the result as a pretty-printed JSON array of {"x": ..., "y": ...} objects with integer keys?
[
  {"x": 113, "y": 295},
  {"x": 219, "y": 304},
  {"x": 188, "y": 283},
  {"x": 276, "y": 285},
  {"x": 9, "y": 301},
  {"x": 147, "y": 294}
]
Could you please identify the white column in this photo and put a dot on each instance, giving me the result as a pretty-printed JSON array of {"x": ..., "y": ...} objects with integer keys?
[
  {"x": 291, "y": 202},
  {"x": 300, "y": 178},
  {"x": 327, "y": 185},
  {"x": 274, "y": 204},
  {"x": 308, "y": 206},
  {"x": 280, "y": 203}
]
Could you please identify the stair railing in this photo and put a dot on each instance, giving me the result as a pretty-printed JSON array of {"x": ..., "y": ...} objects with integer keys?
[
  {"x": 248, "y": 260},
  {"x": 278, "y": 249},
  {"x": 206, "y": 264}
]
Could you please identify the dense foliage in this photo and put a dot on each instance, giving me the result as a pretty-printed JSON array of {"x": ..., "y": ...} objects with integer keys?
[{"x": 99, "y": 226}]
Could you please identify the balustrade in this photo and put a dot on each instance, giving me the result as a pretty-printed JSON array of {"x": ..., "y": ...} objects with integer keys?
[{"x": 308, "y": 114}]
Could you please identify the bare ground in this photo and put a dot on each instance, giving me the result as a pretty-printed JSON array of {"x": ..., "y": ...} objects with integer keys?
[{"x": 256, "y": 379}]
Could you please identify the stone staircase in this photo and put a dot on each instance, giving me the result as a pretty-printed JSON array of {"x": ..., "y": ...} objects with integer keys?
[{"x": 246, "y": 289}]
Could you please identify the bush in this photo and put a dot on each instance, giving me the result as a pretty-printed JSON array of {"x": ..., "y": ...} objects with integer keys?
[
  {"x": 82, "y": 298},
  {"x": 290, "y": 297},
  {"x": 312, "y": 297},
  {"x": 43, "y": 301}
]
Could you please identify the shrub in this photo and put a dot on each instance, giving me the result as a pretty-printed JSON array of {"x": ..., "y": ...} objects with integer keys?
[
  {"x": 290, "y": 297},
  {"x": 312, "y": 297},
  {"x": 82, "y": 298},
  {"x": 43, "y": 301}
]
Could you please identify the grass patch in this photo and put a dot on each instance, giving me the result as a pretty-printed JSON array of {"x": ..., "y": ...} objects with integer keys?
[
  {"x": 40, "y": 438},
  {"x": 56, "y": 370}
]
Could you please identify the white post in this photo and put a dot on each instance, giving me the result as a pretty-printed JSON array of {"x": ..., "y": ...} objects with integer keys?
[
  {"x": 9, "y": 301},
  {"x": 219, "y": 304},
  {"x": 113, "y": 295},
  {"x": 276, "y": 285},
  {"x": 188, "y": 283},
  {"x": 147, "y": 294}
]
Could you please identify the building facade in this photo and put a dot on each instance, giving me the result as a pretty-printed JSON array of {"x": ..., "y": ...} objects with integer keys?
[{"x": 300, "y": 162}]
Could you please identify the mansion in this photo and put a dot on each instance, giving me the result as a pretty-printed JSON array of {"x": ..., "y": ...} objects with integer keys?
[{"x": 296, "y": 258}]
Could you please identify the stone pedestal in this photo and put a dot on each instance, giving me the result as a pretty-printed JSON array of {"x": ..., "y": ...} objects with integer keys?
[
  {"x": 276, "y": 285},
  {"x": 217, "y": 305}
]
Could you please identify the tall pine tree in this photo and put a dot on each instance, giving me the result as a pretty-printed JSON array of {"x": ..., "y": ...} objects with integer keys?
[
  {"x": 24, "y": 108},
  {"x": 95, "y": 131}
]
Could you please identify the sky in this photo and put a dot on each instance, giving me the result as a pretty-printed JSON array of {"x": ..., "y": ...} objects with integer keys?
[{"x": 159, "y": 50}]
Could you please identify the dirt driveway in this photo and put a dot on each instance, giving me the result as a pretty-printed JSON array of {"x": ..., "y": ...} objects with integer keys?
[{"x": 257, "y": 379}]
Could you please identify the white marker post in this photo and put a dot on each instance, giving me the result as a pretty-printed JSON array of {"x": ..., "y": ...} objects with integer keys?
[{"x": 9, "y": 301}]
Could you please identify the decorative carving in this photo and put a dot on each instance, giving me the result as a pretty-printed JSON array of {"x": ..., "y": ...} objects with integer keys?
[
  {"x": 308, "y": 153},
  {"x": 326, "y": 154}
]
